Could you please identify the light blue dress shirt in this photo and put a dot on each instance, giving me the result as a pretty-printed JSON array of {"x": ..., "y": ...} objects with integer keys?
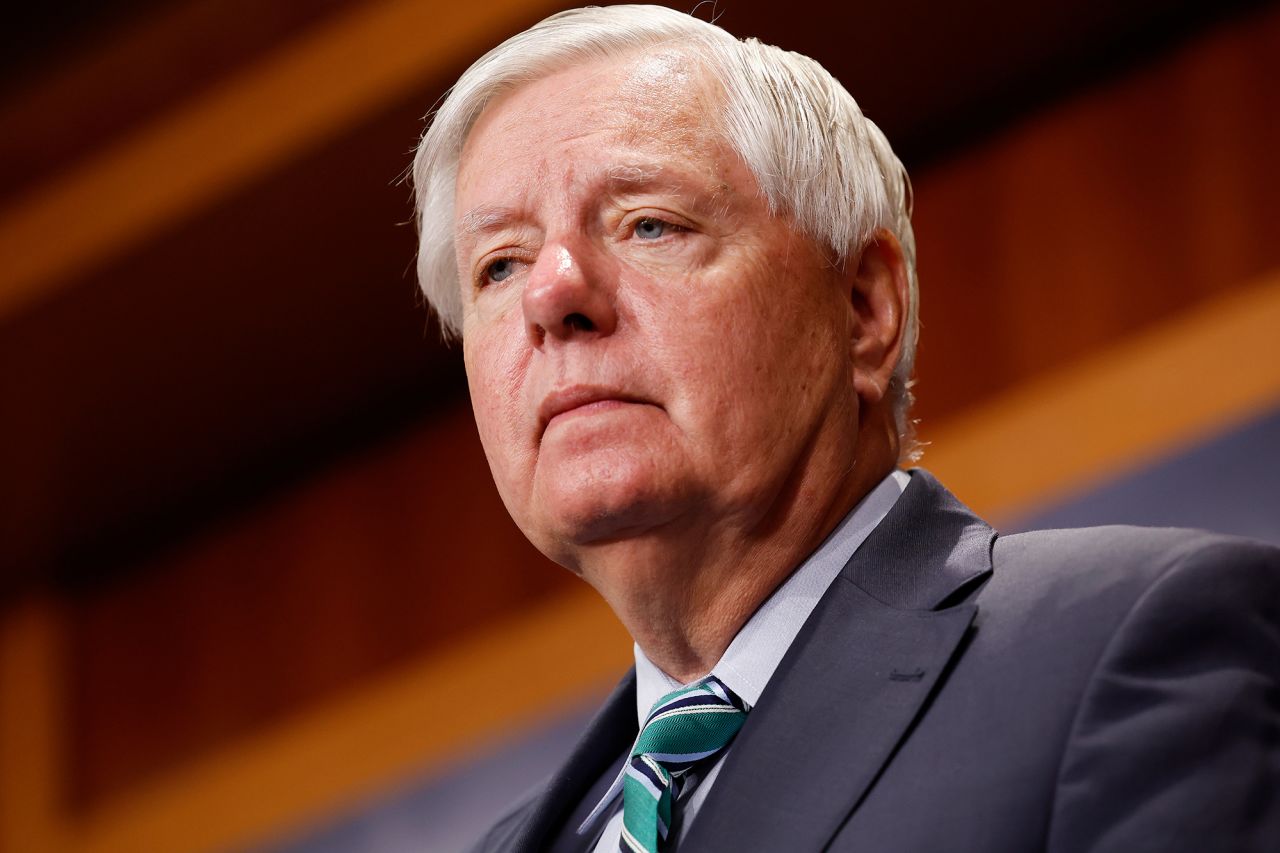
[{"x": 749, "y": 662}]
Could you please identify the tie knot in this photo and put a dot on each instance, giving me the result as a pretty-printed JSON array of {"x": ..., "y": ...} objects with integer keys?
[
  {"x": 686, "y": 726},
  {"x": 690, "y": 724}
]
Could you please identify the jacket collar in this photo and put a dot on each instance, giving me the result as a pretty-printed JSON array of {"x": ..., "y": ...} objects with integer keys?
[
  {"x": 929, "y": 551},
  {"x": 860, "y": 672},
  {"x": 842, "y": 698}
]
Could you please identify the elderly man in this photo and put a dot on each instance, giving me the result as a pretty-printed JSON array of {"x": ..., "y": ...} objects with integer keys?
[{"x": 682, "y": 270}]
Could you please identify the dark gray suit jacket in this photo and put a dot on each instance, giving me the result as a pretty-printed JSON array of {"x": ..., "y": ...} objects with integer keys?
[{"x": 1107, "y": 689}]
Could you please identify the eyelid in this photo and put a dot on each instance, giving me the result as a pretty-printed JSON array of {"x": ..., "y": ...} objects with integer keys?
[
  {"x": 513, "y": 244},
  {"x": 629, "y": 222},
  {"x": 480, "y": 275}
]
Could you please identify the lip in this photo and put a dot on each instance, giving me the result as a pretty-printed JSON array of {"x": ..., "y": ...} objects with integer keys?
[{"x": 565, "y": 400}]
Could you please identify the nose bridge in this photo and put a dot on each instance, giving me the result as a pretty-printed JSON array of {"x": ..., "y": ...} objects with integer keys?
[
  {"x": 556, "y": 273},
  {"x": 565, "y": 296}
]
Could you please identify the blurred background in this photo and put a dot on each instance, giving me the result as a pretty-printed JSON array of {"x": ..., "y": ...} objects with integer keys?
[{"x": 250, "y": 554}]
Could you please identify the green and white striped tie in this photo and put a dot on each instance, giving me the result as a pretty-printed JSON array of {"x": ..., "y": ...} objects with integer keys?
[{"x": 685, "y": 727}]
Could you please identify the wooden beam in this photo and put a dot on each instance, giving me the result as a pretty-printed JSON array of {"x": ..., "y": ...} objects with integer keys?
[
  {"x": 1115, "y": 411},
  {"x": 32, "y": 729},
  {"x": 547, "y": 659},
  {"x": 1166, "y": 387},
  {"x": 341, "y": 71}
]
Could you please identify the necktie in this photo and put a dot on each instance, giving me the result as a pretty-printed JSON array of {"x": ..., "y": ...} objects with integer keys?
[{"x": 685, "y": 727}]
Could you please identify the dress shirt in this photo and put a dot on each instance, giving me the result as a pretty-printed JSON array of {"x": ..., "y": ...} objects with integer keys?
[{"x": 750, "y": 660}]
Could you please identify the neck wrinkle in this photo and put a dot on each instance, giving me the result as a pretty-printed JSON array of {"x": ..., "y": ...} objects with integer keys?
[{"x": 687, "y": 630}]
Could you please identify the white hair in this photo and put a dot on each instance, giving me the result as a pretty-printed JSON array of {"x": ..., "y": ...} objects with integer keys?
[{"x": 815, "y": 156}]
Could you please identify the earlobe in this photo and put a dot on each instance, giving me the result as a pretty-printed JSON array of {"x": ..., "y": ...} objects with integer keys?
[{"x": 878, "y": 293}]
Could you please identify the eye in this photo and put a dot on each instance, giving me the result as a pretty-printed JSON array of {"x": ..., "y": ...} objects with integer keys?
[
  {"x": 500, "y": 269},
  {"x": 650, "y": 228}
]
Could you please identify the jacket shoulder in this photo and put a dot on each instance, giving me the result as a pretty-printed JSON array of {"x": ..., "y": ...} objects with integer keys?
[
  {"x": 1173, "y": 743},
  {"x": 1122, "y": 562},
  {"x": 1065, "y": 597}
]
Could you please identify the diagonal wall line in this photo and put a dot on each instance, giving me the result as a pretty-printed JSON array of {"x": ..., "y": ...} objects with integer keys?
[
  {"x": 32, "y": 725},
  {"x": 528, "y": 667},
  {"x": 329, "y": 78},
  {"x": 1159, "y": 389}
]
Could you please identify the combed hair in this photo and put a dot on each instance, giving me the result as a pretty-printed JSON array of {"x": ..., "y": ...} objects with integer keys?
[{"x": 815, "y": 156}]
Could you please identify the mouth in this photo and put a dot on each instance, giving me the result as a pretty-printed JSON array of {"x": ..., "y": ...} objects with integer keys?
[{"x": 581, "y": 400}]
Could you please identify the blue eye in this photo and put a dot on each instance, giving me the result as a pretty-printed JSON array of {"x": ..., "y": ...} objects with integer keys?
[
  {"x": 500, "y": 269},
  {"x": 650, "y": 229}
]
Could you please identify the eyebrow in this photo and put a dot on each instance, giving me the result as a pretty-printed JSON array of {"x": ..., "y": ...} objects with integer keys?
[
  {"x": 619, "y": 179},
  {"x": 637, "y": 177},
  {"x": 485, "y": 218},
  {"x": 627, "y": 174}
]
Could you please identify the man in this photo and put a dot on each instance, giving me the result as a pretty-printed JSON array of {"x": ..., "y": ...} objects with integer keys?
[{"x": 682, "y": 270}]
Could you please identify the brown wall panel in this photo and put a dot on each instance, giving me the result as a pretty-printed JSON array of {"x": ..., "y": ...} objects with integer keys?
[
  {"x": 393, "y": 553},
  {"x": 1111, "y": 211},
  {"x": 83, "y": 96}
]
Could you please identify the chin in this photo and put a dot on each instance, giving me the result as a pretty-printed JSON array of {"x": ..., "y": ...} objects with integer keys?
[{"x": 583, "y": 516}]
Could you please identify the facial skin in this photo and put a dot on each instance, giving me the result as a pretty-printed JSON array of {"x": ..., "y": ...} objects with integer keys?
[{"x": 679, "y": 395}]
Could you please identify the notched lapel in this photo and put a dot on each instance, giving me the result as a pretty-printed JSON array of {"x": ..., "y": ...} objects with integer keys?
[
  {"x": 858, "y": 675},
  {"x": 929, "y": 551},
  {"x": 824, "y": 729}
]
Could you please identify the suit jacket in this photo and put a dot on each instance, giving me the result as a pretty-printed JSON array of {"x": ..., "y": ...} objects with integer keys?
[{"x": 1105, "y": 689}]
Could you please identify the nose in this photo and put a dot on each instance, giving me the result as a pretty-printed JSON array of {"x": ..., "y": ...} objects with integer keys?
[{"x": 564, "y": 299}]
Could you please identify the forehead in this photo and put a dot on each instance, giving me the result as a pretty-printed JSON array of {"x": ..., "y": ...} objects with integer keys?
[{"x": 651, "y": 99}]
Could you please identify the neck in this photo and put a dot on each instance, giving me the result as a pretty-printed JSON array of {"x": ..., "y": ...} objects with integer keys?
[{"x": 684, "y": 591}]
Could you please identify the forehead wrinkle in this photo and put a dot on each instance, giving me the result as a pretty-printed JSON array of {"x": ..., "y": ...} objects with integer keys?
[
  {"x": 678, "y": 114},
  {"x": 496, "y": 217}
]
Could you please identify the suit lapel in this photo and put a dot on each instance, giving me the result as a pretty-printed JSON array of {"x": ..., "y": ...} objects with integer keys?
[
  {"x": 610, "y": 732},
  {"x": 859, "y": 673}
]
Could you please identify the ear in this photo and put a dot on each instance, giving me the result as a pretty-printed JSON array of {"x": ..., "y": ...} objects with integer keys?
[{"x": 878, "y": 290}]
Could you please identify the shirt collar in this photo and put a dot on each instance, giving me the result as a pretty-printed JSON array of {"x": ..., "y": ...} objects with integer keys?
[{"x": 749, "y": 662}]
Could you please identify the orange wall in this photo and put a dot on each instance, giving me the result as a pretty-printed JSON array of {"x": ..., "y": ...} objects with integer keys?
[{"x": 1123, "y": 207}]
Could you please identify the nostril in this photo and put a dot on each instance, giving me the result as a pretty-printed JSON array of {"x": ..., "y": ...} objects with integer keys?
[{"x": 579, "y": 322}]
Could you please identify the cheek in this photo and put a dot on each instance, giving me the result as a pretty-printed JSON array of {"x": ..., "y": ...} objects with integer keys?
[
  {"x": 744, "y": 345},
  {"x": 758, "y": 364},
  {"x": 721, "y": 374},
  {"x": 495, "y": 376}
]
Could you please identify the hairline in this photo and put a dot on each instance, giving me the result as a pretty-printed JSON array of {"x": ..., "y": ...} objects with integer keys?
[{"x": 714, "y": 65}]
